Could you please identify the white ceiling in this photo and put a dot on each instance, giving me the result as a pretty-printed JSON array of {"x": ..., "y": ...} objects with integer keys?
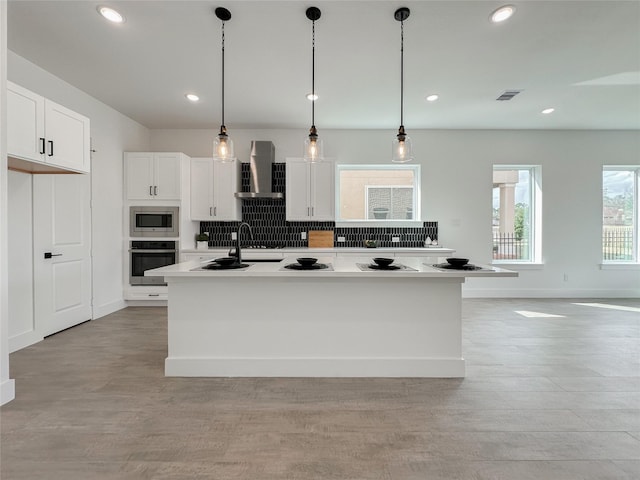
[{"x": 581, "y": 57}]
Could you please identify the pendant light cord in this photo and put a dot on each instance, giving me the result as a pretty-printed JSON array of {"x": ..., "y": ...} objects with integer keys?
[
  {"x": 223, "y": 73},
  {"x": 401, "y": 72},
  {"x": 313, "y": 72}
]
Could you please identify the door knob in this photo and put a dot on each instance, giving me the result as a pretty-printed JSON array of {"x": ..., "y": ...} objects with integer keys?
[{"x": 49, "y": 254}]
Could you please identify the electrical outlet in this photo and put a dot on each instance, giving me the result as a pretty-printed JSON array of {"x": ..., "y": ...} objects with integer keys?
[
  {"x": 395, "y": 239},
  {"x": 303, "y": 235},
  {"x": 341, "y": 240},
  {"x": 234, "y": 235}
]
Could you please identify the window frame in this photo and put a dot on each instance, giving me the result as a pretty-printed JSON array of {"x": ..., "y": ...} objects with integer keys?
[
  {"x": 417, "y": 180},
  {"x": 535, "y": 200},
  {"x": 635, "y": 248}
]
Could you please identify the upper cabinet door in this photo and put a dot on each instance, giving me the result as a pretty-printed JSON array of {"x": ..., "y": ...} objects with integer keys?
[
  {"x": 139, "y": 175},
  {"x": 202, "y": 189},
  {"x": 44, "y": 132},
  {"x": 67, "y": 138},
  {"x": 25, "y": 123},
  {"x": 322, "y": 191},
  {"x": 297, "y": 190},
  {"x": 167, "y": 177},
  {"x": 226, "y": 207}
]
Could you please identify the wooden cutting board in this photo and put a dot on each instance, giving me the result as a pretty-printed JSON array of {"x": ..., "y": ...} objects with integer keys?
[{"x": 320, "y": 238}]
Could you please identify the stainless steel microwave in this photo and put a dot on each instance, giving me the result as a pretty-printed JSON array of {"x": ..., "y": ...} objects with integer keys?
[{"x": 153, "y": 221}]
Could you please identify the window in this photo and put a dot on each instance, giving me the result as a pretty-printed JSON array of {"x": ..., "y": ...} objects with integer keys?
[
  {"x": 516, "y": 213},
  {"x": 620, "y": 214},
  {"x": 378, "y": 194}
]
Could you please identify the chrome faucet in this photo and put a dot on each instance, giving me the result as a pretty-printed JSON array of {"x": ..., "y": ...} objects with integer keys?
[{"x": 238, "y": 252}]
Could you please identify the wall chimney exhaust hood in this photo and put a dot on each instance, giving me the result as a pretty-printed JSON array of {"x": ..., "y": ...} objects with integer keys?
[{"x": 263, "y": 154}]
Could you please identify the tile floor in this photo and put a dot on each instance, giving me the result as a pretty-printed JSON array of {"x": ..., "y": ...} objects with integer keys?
[{"x": 544, "y": 398}]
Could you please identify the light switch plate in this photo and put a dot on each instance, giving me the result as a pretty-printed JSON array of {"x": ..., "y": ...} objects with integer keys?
[
  {"x": 303, "y": 235},
  {"x": 395, "y": 239},
  {"x": 234, "y": 235},
  {"x": 341, "y": 240}
]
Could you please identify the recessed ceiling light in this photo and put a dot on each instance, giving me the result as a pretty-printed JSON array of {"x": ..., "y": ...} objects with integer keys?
[
  {"x": 547, "y": 111},
  {"x": 432, "y": 98},
  {"x": 192, "y": 97},
  {"x": 110, "y": 14},
  {"x": 312, "y": 96},
  {"x": 503, "y": 13}
]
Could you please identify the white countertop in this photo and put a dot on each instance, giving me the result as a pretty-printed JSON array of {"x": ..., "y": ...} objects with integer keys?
[
  {"x": 296, "y": 251},
  {"x": 341, "y": 267}
]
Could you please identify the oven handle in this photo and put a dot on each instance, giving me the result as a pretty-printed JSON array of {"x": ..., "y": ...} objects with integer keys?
[{"x": 141, "y": 250}]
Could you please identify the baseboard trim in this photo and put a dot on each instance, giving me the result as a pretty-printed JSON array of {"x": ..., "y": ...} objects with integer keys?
[
  {"x": 146, "y": 303},
  {"x": 548, "y": 293},
  {"x": 108, "y": 308},
  {"x": 315, "y": 367},
  {"x": 7, "y": 391},
  {"x": 23, "y": 340}
]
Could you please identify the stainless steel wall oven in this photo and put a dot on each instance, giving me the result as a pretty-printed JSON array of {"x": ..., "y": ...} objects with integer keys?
[
  {"x": 148, "y": 254},
  {"x": 152, "y": 221}
]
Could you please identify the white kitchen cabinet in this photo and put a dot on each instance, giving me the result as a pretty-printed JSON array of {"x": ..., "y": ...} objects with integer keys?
[
  {"x": 213, "y": 187},
  {"x": 153, "y": 176},
  {"x": 145, "y": 293},
  {"x": 310, "y": 190},
  {"x": 45, "y": 133}
]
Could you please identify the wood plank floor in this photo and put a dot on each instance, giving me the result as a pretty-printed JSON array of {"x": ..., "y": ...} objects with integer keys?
[{"x": 545, "y": 398}]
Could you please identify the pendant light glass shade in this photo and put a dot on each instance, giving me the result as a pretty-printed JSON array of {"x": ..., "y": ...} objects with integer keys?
[
  {"x": 222, "y": 144},
  {"x": 313, "y": 147},
  {"x": 402, "y": 151},
  {"x": 401, "y": 148},
  {"x": 312, "y": 144}
]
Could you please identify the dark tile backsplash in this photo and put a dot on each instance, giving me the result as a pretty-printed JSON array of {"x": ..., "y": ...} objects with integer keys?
[{"x": 267, "y": 219}]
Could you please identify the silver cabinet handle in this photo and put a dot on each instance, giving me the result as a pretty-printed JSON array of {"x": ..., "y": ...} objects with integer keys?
[
  {"x": 312, "y": 211},
  {"x": 215, "y": 211},
  {"x": 155, "y": 190},
  {"x": 150, "y": 190},
  {"x": 211, "y": 211}
]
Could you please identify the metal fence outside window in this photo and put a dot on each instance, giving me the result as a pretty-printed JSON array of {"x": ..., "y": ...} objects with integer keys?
[
  {"x": 508, "y": 246},
  {"x": 617, "y": 242}
]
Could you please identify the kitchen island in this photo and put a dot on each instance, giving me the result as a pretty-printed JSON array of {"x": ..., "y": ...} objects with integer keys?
[{"x": 343, "y": 321}]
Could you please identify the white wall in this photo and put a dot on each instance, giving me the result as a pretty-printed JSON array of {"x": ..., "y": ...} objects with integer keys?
[
  {"x": 111, "y": 133},
  {"x": 7, "y": 385},
  {"x": 457, "y": 170},
  {"x": 22, "y": 331}
]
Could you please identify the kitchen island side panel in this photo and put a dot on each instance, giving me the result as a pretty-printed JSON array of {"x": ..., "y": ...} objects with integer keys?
[{"x": 315, "y": 327}]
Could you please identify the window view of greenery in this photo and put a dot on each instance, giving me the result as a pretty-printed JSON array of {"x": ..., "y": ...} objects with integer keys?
[
  {"x": 619, "y": 215},
  {"x": 512, "y": 214},
  {"x": 377, "y": 193}
]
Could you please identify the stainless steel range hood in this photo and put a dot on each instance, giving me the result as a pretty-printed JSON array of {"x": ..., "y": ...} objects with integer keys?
[{"x": 262, "y": 157}]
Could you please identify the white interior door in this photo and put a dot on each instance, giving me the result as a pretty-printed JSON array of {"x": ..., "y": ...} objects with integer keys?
[{"x": 61, "y": 232}]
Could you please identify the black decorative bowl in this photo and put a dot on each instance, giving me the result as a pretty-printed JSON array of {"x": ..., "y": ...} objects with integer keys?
[
  {"x": 306, "y": 261},
  {"x": 457, "y": 262},
  {"x": 383, "y": 262},
  {"x": 225, "y": 261}
]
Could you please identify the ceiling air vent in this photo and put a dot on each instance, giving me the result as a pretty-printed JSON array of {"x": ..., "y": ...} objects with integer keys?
[{"x": 508, "y": 94}]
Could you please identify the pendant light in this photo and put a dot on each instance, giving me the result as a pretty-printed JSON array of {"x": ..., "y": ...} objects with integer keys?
[
  {"x": 222, "y": 144},
  {"x": 313, "y": 145},
  {"x": 401, "y": 146}
]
